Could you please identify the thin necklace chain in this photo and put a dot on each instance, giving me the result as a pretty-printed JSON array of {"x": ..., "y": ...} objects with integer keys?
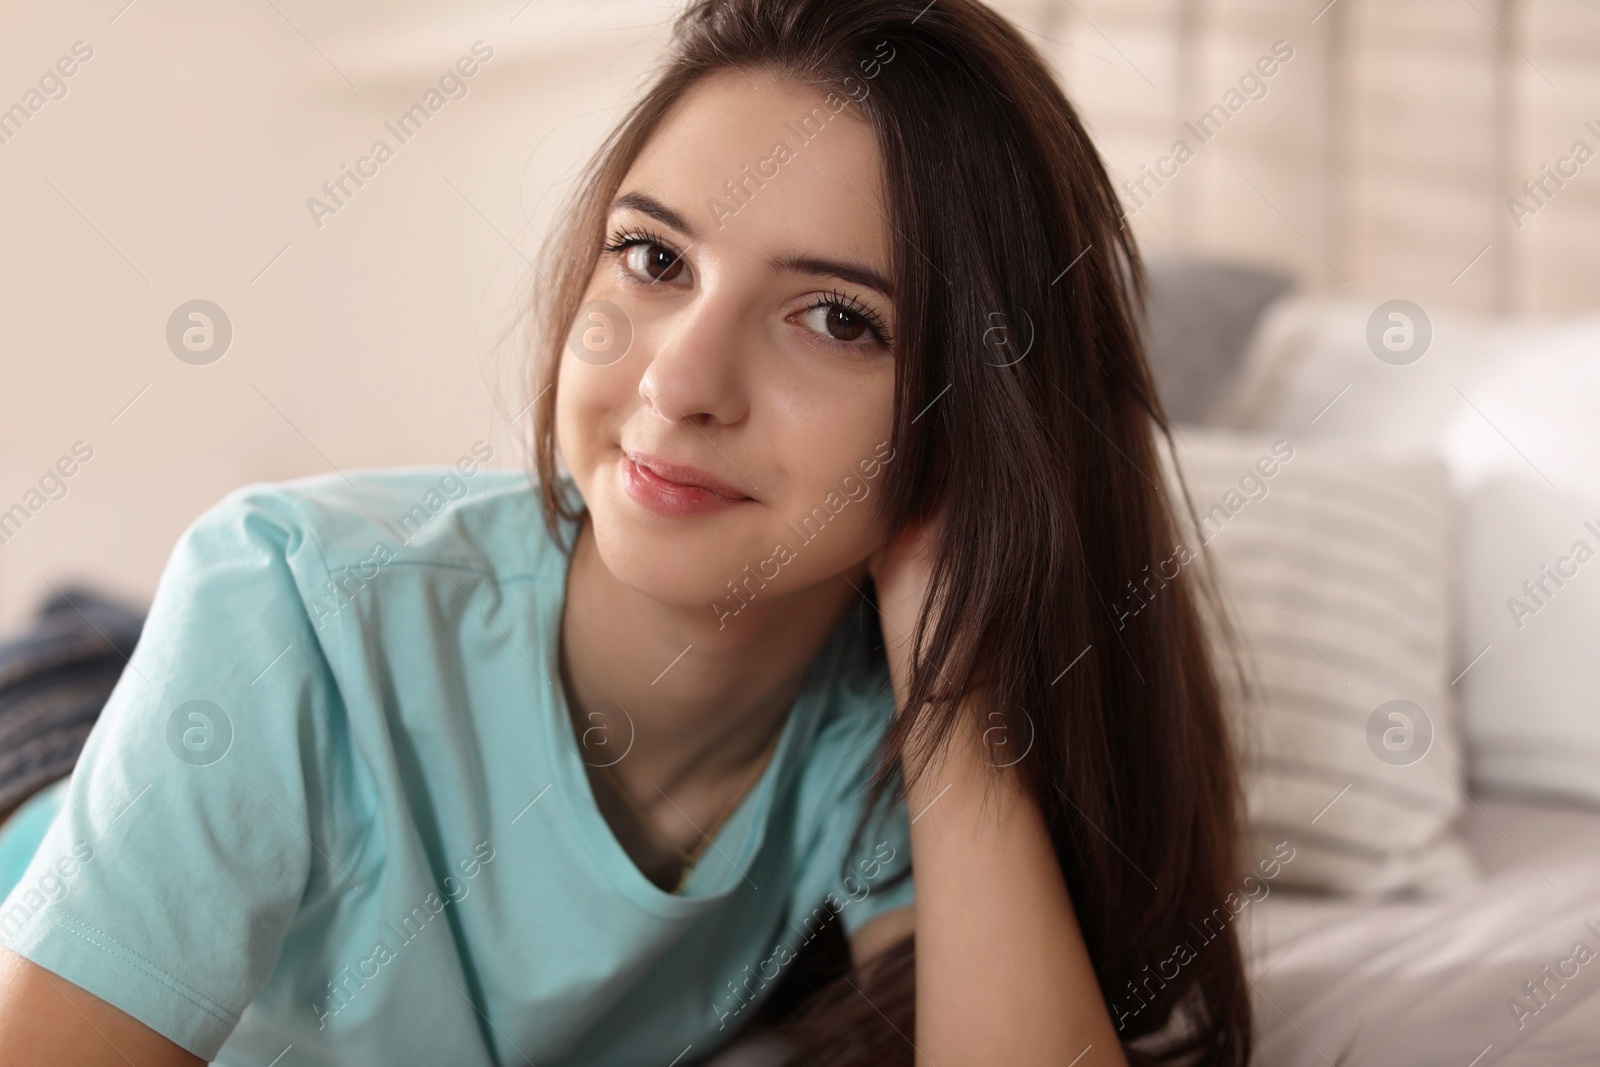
[{"x": 690, "y": 856}]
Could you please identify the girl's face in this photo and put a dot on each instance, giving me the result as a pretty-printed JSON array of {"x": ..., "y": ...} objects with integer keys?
[{"x": 737, "y": 325}]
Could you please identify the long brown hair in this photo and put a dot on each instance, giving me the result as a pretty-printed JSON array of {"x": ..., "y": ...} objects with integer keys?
[{"x": 1024, "y": 404}]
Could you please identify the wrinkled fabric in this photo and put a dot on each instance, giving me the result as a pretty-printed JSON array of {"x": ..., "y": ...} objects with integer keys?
[{"x": 336, "y": 802}]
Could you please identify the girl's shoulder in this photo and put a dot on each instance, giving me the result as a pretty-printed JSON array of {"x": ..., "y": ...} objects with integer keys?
[
  {"x": 362, "y": 559},
  {"x": 360, "y": 521}
]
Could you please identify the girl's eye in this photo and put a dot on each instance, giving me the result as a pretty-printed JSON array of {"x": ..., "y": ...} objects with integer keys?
[
  {"x": 647, "y": 257},
  {"x": 657, "y": 262},
  {"x": 836, "y": 321},
  {"x": 840, "y": 321}
]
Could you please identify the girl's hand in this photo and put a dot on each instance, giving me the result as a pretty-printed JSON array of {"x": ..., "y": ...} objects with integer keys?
[{"x": 901, "y": 570}]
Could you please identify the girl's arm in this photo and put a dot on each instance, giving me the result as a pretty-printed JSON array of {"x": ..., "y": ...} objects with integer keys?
[
  {"x": 1002, "y": 972},
  {"x": 46, "y": 1020}
]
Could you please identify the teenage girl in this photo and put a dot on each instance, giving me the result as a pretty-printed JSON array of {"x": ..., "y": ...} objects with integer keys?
[{"x": 845, "y": 446}]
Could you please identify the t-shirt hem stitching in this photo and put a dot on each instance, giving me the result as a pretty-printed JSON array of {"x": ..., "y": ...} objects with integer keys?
[{"x": 113, "y": 948}]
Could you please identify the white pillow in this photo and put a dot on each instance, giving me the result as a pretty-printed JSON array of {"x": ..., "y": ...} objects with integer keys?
[
  {"x": 1334, "y": 564},
  {"x": 1510, "y": 406},
  {"x": 1312, "y": 370},
  {"x": 1528, "y": 451},
  {"x": 1531, "y": 598}
]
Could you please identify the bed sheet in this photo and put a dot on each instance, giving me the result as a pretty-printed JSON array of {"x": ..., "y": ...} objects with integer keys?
[{"x": 1506, "y": 972}]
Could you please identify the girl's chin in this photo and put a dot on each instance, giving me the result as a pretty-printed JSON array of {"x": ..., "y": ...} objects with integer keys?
[{"x": 676, "y": 571}]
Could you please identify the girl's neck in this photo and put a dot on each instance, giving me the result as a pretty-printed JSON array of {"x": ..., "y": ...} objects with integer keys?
[{"x": 699, "y": 716}]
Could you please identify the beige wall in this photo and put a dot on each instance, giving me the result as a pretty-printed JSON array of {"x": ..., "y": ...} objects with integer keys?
[{"x": 178, "y": 166}]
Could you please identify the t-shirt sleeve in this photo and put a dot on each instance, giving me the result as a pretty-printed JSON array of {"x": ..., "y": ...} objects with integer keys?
[
  {"x": 186, "y": 835},
  {"x": 857, "y": 878}
]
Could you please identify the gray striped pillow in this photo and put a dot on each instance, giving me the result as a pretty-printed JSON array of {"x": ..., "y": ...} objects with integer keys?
[{"x": 1335, "y": 567}]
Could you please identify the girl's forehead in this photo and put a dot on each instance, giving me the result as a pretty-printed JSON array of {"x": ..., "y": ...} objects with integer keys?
[{"x": 767, "y": 163}]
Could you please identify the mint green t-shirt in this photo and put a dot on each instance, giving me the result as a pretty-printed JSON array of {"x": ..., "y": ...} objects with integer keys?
[{"x": 335, "y": 809}]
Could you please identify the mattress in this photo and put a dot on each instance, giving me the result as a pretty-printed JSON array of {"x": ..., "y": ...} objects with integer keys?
[{"x": 1504, "y": 972}]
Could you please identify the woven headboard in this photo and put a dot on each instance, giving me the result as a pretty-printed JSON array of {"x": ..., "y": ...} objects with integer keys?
[{"x": 1382, "y": 149}]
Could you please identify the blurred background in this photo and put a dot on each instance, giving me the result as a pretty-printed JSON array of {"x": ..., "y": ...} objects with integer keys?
[{"x": 1378, "y": 159}]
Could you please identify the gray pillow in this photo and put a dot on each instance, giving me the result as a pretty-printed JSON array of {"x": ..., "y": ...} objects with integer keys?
[{"x": 1200, "y": 317}]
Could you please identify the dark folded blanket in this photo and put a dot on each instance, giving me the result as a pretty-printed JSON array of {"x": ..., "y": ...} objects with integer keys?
[{"x": 55, "y": 676}]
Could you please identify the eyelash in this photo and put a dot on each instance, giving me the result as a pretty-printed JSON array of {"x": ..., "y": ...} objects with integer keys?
[
  {"x": 845, "y": 302},
  {"x": 622, "y": 240}
]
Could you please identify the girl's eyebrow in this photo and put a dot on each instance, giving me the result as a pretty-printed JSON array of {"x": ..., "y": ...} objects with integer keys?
[
  {"x": 649, "y": 205},
  {"x": 828, "y": 268},
  {"x": 856, "y": 273}
]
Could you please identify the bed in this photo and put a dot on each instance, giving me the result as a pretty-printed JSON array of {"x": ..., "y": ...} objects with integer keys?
[{"x": 1434, "y": 981}]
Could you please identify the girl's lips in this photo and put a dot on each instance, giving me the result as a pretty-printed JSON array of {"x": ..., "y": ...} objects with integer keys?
[
  {"x": 684, "y": 475},
  {"x": 669, "y": 498}
]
